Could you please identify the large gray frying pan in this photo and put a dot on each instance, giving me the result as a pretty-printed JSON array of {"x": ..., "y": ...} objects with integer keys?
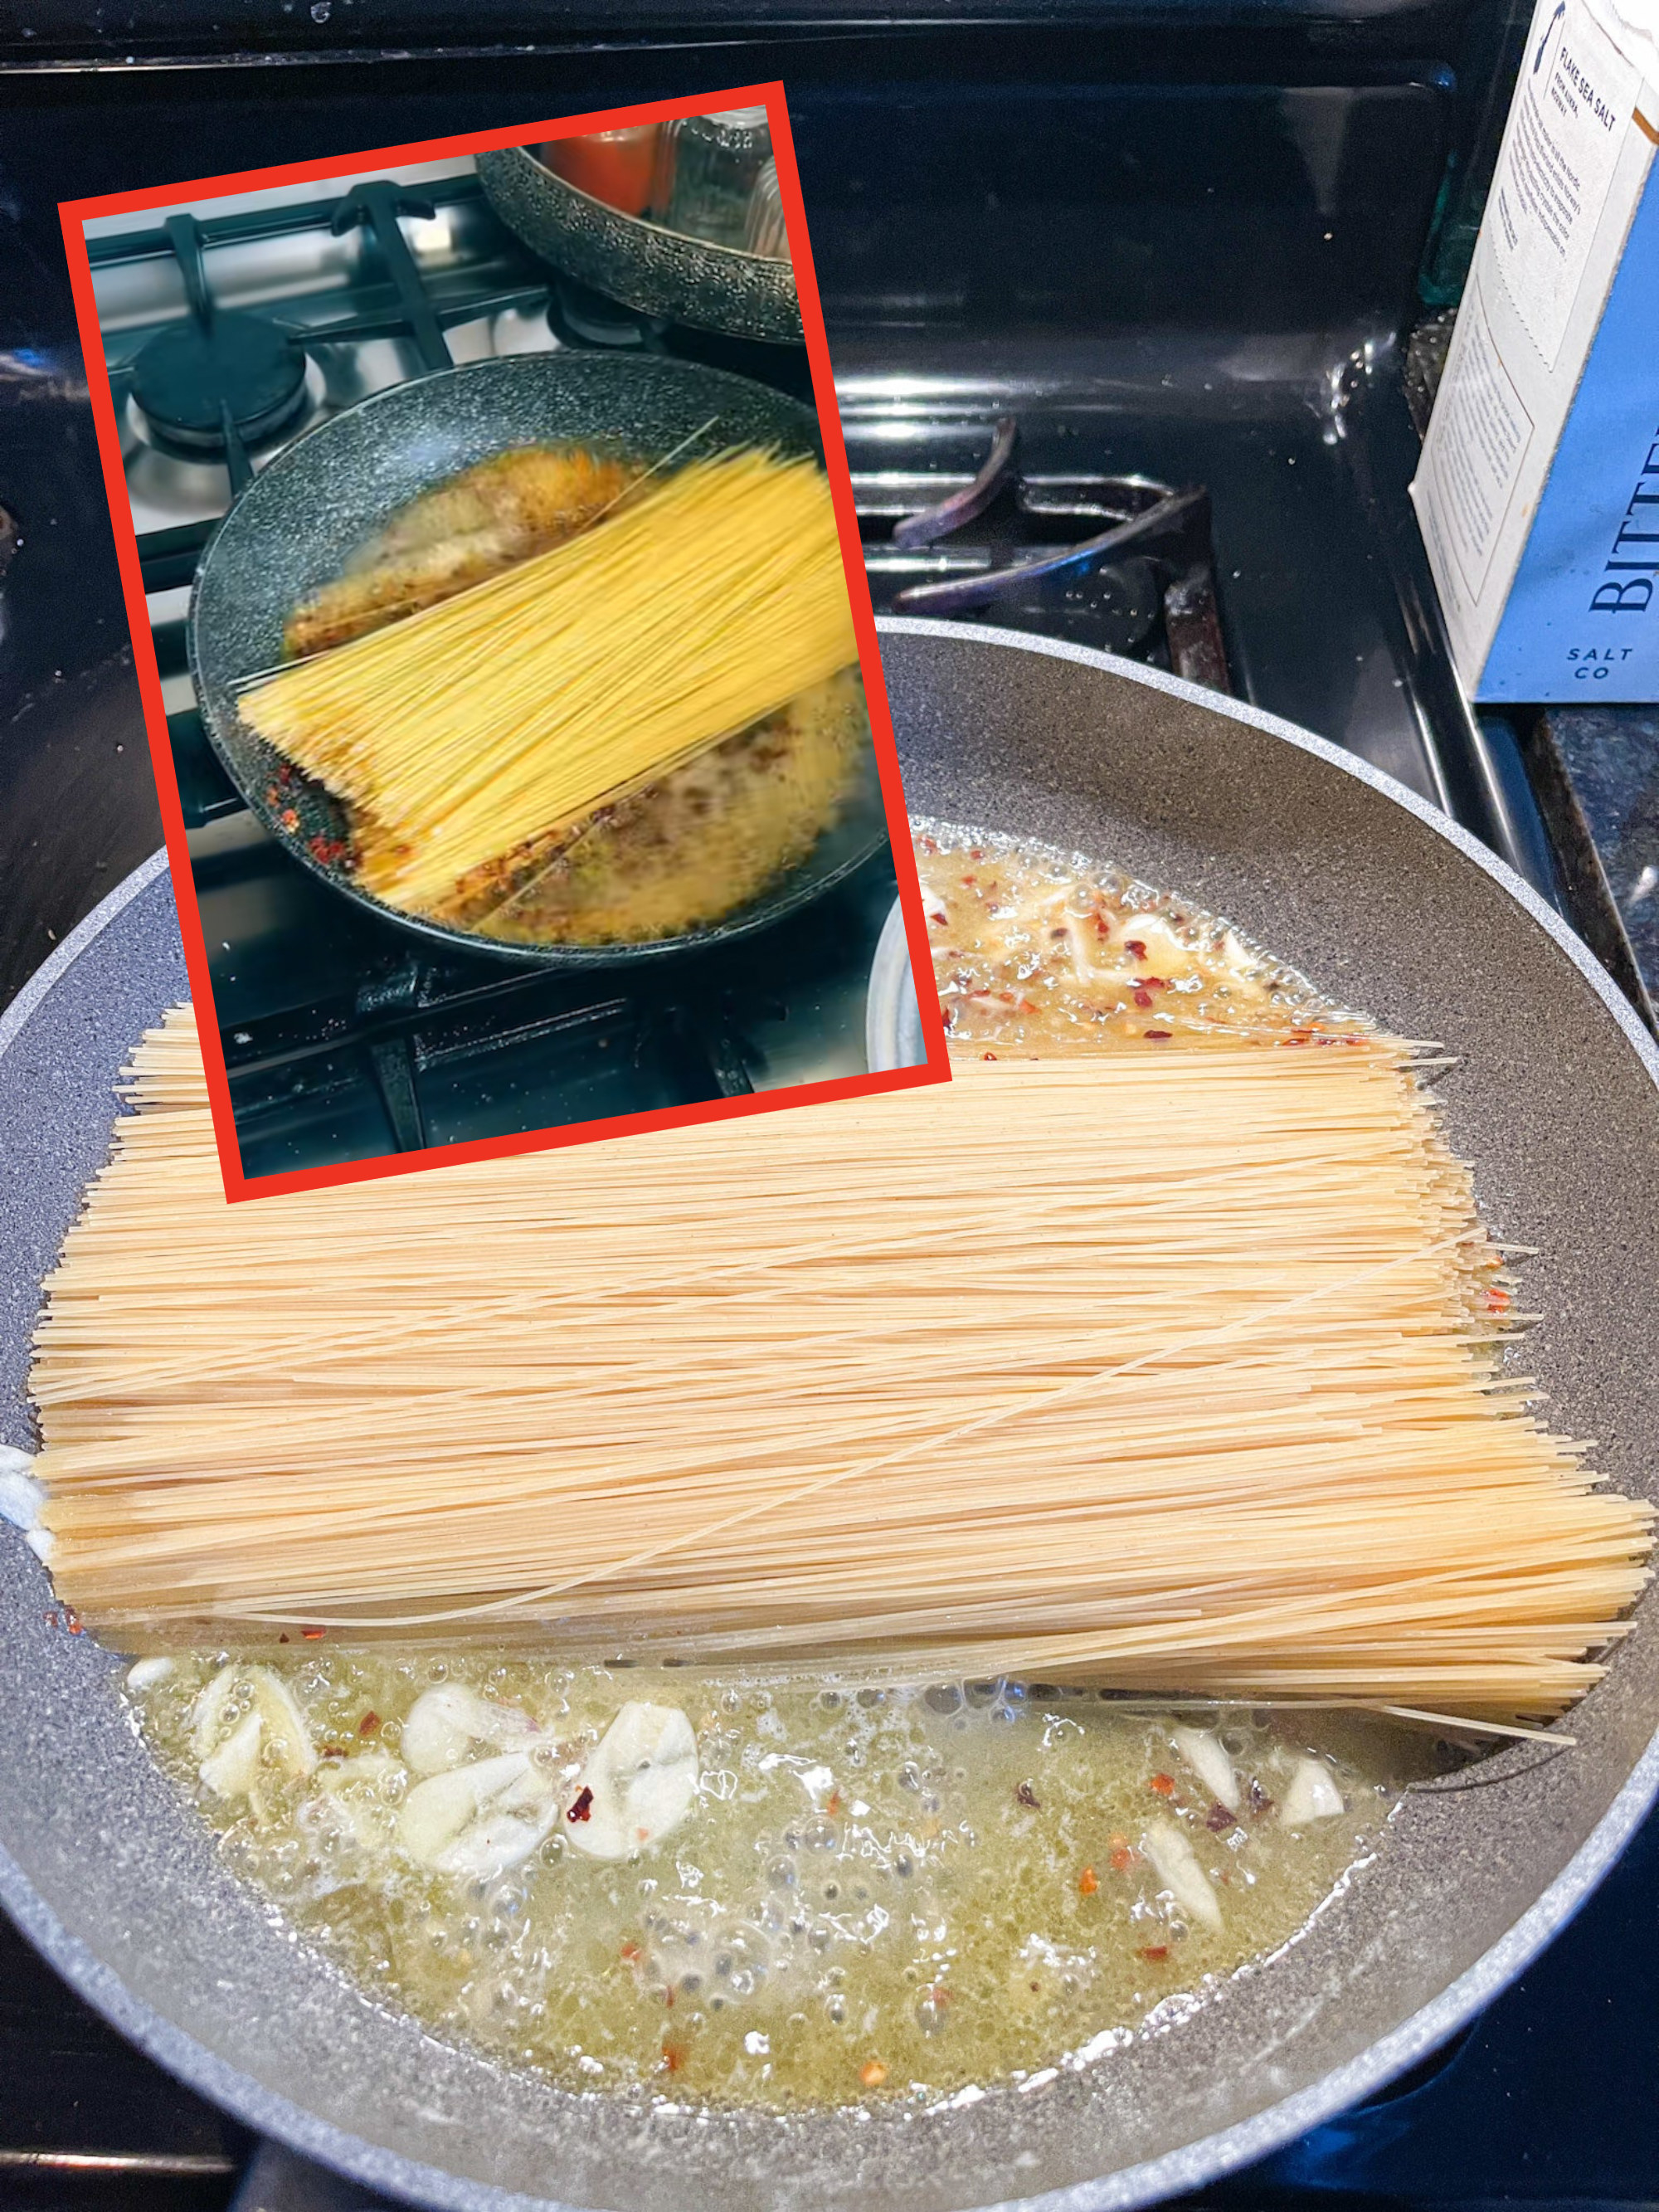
[
  {"x": 326, "y": 494},
  {"x": 1556, "y": 1101}
]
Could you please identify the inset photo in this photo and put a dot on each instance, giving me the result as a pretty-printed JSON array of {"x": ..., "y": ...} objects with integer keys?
[{"x": 511, "y": 678}]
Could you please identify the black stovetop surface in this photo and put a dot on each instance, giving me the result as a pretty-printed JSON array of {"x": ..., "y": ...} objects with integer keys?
[{"x": 1161, "y": 272}]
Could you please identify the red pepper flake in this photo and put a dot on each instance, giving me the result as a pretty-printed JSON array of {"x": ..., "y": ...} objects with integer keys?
[
  {"x": 271, "y": 794},
  {"x": 872, "y": 2074},
  {"x": 1102, "y": 927},
  {"x": 326, "y": 850},
  {"x": 1499, "y": 1299},
  {"x": 1164, "y": 1783},
  {"x": 1027, "y": 1796},
  {"x": 1154, "y": 1952},
  {"x": 632, "y": 1954},
  {"x": 312, "y": 1635},
  {"x": 668, "y": 1999},
  {"x": 1154, "y": 982},
  {"x": 672, "y": 2058},
  {"x": 1088, "y": 1881},
  {"x": 291, "y": 819},
  {"x": 1158, "y": 1037},
  {"x": 1218, "y": 1819},
  {"x": 970, "y": 880},
  {"x": 368, "y": 1723},
  {"x": 927, "y": 844},
  {"x": 1122, "y": 1858},
  {"x": 283, "y": 1639},
  {"x": 51, "y": 1619},
  {"x": 1143, "y": 998},
  {"x": 834, "y": 1805},
  {"x": 1134, "y": 945},
  {"x": 987, "y": 1055},
  {"x": 583, "y": 1807},
  {"x": 977, "y": 851},
  {"x": 939, "y": 1994}
]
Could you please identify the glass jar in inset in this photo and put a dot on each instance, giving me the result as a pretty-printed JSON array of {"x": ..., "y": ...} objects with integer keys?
[
  {"x": 706, "y": 172},
  {"x": 767, "y": 233}
]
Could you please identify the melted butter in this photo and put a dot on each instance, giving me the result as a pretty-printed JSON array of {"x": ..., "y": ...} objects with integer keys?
[{"x": 886, "y": 1892}]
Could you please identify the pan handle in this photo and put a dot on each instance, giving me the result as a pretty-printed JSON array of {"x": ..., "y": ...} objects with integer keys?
[{"x": 277, "y": 2180}]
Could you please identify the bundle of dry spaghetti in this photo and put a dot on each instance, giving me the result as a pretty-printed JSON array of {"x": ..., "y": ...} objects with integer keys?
[
  {"x": 701, "y": 605},
  {"x": 1170, "y": 1371}
]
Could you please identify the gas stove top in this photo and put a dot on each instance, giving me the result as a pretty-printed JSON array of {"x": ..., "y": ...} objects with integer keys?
[{"x": 1173, "y": 269}]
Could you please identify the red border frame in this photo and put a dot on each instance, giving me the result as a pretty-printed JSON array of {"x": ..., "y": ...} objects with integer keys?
[{"x": 74, "y": 213}]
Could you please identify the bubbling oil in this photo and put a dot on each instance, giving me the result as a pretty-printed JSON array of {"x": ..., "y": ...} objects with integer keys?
[
  {"x": 892, "y": 1893},
  {"x": 1041, "y": 951}
]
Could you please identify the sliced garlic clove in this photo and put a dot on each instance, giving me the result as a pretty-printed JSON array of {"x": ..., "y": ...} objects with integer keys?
[
  {"x": 642, "y": 1776},
  {"x": 444, "y": 1725},
  {"x": 281, "y": 1725},
  {"x": 1175, "y": 1864},
  {"x": 490, "y": 1846},
  {"x": 285, "y": 1725},
  {"x": 145, "y": 1674},
  {"x": 1311, "y": 1794},
  {"x": 1202, "y": 1751},
  {"x": 356, "y": 1791},
  {"x": 232, "y": 1771},
  {"x": 205, "y": 1728},
  {"x": 467, "y": 1822}
]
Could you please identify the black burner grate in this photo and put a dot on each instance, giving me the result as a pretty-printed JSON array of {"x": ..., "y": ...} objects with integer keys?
[{"x": 1124, "y": 564}]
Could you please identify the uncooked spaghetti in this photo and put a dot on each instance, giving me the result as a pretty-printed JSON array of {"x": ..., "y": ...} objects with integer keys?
[
  {"x": 701, "y": 605},
  {"x": 1172, "y": 1372}
]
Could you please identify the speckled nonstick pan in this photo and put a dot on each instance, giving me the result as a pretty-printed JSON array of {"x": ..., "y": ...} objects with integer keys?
[
  {"x": 1557, "y": 1103},
  {"x": 329, "y": 491},
  {"x": 659, "y": 271}
]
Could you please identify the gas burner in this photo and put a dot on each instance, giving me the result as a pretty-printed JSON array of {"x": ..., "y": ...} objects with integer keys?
[
  {"x": 577, "y": 316},
  {"x": 218, "y": 380},
  {"x": 1031, "y": 551}
]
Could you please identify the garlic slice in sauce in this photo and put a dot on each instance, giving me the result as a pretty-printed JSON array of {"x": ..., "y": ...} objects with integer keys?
[
  {"x": 476, "y": 1821},
  {"x": 1202, "y": 1750},
  {"x": 638, "y": 1784},
  {"x": 232, "y": 1771},
  {"x": 445, "y": 1723},
  {"x": 1311, "y": 1794},
  {"x": 1175, "y": 1864},
  {"x": 356, "y": 1788},
  {"x": 280, "y": 1726}
]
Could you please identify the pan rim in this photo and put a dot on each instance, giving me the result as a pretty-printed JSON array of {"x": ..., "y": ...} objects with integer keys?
[{"x": 1208, "y": 2157}]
